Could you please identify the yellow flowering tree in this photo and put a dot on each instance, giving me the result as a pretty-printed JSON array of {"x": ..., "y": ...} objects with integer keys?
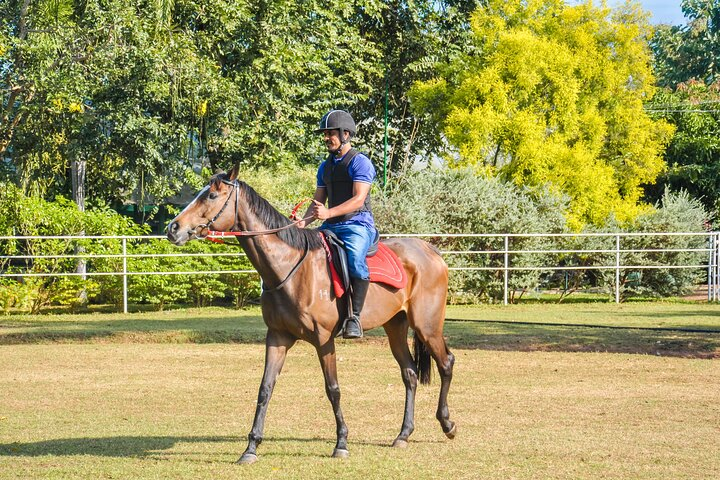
[{"x": 551, "y": 96}]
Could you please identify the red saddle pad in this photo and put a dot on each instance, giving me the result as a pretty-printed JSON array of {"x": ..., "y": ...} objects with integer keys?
[{"x": 385, "y": 267}]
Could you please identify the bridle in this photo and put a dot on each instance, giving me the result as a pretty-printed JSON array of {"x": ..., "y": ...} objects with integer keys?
[
  {"x": 208, "y": 226},
  {"x": 212, "y": 235}
]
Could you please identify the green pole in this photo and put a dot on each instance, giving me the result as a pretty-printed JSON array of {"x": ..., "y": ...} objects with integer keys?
[{"x": 385, "y": 150}]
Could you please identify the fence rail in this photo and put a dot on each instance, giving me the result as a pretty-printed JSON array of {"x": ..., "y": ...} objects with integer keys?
[{"x": 710, "y": 252}]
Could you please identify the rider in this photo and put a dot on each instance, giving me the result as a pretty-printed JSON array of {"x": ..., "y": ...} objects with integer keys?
[{"x": 344, "y": 180}]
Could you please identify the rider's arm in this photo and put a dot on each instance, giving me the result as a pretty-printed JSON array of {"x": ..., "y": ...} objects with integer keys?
[
  {"x": 355, "y": 203},
  {"x": 319, "y": 196}
]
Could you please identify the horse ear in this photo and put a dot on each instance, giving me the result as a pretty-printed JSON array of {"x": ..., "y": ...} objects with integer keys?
[{"x": 233, "y": 175}]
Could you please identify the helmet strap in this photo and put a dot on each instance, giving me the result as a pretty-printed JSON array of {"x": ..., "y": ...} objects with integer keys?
[{"x": 344, "y": 140}]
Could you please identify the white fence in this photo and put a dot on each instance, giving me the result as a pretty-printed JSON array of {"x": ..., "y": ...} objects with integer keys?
[{"x": 710, "y": 252}]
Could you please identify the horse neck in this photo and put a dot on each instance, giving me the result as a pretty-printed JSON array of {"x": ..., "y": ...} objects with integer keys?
[{"x": 270, "y": 256}]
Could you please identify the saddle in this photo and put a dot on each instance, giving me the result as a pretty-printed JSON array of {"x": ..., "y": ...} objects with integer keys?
[{"x": 384, "y": 265}]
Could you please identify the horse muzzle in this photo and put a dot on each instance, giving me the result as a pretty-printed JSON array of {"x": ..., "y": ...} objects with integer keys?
[{"x": 177, "y": 235}]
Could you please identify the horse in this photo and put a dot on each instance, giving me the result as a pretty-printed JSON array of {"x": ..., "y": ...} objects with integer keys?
[{"x": 297, "y": 304}]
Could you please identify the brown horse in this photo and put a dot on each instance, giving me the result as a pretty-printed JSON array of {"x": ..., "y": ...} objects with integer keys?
[{"x": 297, "y": 302}]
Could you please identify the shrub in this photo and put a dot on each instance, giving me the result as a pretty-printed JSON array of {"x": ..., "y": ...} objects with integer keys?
[
  {"x": 436, "y": 201},
  {"x": 677, "y": 212}
]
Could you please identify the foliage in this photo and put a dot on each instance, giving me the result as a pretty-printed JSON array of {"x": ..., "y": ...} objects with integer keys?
[
  {"x": 22, "y": 215},
  {"x": 160, "y": 290},
  {"x": 411, "y": 37},
  {"x": 676, "y": 212},
  {"x": 691, "y": 51},
  {"x": 551, "y": 96},
  {"x": 692, "y": 155},
  {"x": 144, "y": 91},
  {"x": 437, "y": 201}
]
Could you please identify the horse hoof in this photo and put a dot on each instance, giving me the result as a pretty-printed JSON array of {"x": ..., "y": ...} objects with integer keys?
[
  {"x": 340, "y": 453},
  {"x": 247, "y": 459},
  {"x": 452, "y": 432},
  {"x": 400, "y": 443}
]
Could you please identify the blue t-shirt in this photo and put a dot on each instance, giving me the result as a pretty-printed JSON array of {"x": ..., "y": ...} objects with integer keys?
[{"x": 361, "y": 170}]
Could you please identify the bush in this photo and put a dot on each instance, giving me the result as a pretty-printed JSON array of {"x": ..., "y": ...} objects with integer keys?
[
  {"x": 435, "y": 201},
  {"x": 677, "y": 212},
  {"x": 31, "y": 216},
  {"x": 197, "y": 289}
]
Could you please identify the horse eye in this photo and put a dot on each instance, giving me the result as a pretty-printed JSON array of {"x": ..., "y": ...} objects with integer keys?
[{"x": 213, "y": 195}]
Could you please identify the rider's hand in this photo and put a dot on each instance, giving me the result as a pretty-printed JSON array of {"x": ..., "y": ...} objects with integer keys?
[{"x": 319, "y": 211}]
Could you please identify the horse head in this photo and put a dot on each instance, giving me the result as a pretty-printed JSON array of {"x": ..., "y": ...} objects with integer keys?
[{"x": 213, "y": 208}]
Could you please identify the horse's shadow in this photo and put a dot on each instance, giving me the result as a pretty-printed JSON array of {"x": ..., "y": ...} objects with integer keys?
[
  {"x": 139, "y": 447},
  {"x": 125, "y": 446}
]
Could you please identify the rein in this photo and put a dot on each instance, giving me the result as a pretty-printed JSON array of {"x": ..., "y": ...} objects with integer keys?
[
  {"x": 213, "y": 235},
  {"x": 216, "y": 235}
]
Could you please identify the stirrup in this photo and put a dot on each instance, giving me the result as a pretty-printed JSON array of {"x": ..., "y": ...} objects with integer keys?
[{"x": 352, "y": 328}]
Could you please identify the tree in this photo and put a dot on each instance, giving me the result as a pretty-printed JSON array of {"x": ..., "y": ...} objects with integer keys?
[
  {"x": 694, "y": 152},
  {"x": 551, "y": 96},
  {"x": 143, "y": 92},
  {"x": 691, "y": 51},
  {"x": 411, "y": 38}
]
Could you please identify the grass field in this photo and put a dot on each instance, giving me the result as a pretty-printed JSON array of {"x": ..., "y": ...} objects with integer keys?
[{"x": 540, "y": 391}]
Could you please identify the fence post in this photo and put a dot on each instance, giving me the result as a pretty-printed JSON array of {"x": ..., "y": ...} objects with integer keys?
[
  {"x": 617, "y": 268},
  {"x": 125, "y": 289},
  {"x": 711, "y": 270},
  {"x": 506, "y": 272},
  {"x": 714, "y": 268}
]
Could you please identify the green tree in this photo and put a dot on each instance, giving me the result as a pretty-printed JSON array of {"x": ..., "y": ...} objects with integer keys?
[
  {"x": 686, "y": 62},
  {"x": 691, "y": 51},
  {"x": 411, "y": 38},
  {"x": 141, "y": 92},
  {"x": 694, "y": 152},
  {"x": 551, "y": 96}
]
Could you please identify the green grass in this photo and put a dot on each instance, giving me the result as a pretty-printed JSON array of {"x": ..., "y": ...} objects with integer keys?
[{"x": 674, "y": 329}]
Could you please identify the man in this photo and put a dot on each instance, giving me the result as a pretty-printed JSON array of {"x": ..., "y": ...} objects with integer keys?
[{"x": 344, "y": 180}]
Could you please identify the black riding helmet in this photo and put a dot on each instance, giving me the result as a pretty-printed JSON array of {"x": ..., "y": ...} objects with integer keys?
[
  {"x": 337, "y": 120},
  {"x": 341, "y": 121}
]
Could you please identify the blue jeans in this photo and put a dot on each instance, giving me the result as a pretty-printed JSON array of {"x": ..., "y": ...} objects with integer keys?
[{"x": 358, "y": 239}]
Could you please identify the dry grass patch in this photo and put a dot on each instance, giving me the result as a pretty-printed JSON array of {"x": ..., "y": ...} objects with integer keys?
[{"x": 183, "y": 411}]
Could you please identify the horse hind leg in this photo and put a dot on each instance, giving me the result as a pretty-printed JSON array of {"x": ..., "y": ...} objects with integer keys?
[
  {"x": 430, "y": 342},
  {"x": 396, "y": 330}
]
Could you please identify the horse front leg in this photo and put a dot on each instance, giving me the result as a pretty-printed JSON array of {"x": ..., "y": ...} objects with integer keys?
[
  {"x": 397, "y": 329},
  {"x": 326, "y": 354},
  {"x": 276, "y": 346}
]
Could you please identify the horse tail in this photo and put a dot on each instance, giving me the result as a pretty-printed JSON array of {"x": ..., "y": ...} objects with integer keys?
[{"x": 422, "y": 360}]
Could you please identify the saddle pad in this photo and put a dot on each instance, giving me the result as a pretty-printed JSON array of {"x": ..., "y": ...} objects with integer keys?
[{"x": 385, "y": 267}]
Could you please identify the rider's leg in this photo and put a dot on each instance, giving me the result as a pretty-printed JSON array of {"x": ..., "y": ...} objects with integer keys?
[{"x": 357, "y": 240}]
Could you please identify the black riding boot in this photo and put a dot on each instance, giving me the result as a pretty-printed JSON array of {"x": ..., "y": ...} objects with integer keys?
[{"x": 353, "y": 329}]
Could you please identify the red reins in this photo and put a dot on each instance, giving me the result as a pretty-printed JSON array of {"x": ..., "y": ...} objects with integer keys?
[{"x": 216, "y": 236}]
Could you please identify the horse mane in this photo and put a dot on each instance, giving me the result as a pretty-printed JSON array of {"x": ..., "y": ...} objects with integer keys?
[{"x": 295, "y": 237}]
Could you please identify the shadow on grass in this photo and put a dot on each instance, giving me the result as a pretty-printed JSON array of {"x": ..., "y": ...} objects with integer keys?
[
  {"x": 107, "y": 447},
  {"x": 140, "y": 447},
  {"x": 188, "y": 330},
  {"x": 512, "y": 336},
  {"x": 689, "y": 341}
]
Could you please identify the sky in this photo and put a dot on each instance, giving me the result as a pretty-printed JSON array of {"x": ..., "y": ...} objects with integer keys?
[{"x": 663, "y": 11}]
